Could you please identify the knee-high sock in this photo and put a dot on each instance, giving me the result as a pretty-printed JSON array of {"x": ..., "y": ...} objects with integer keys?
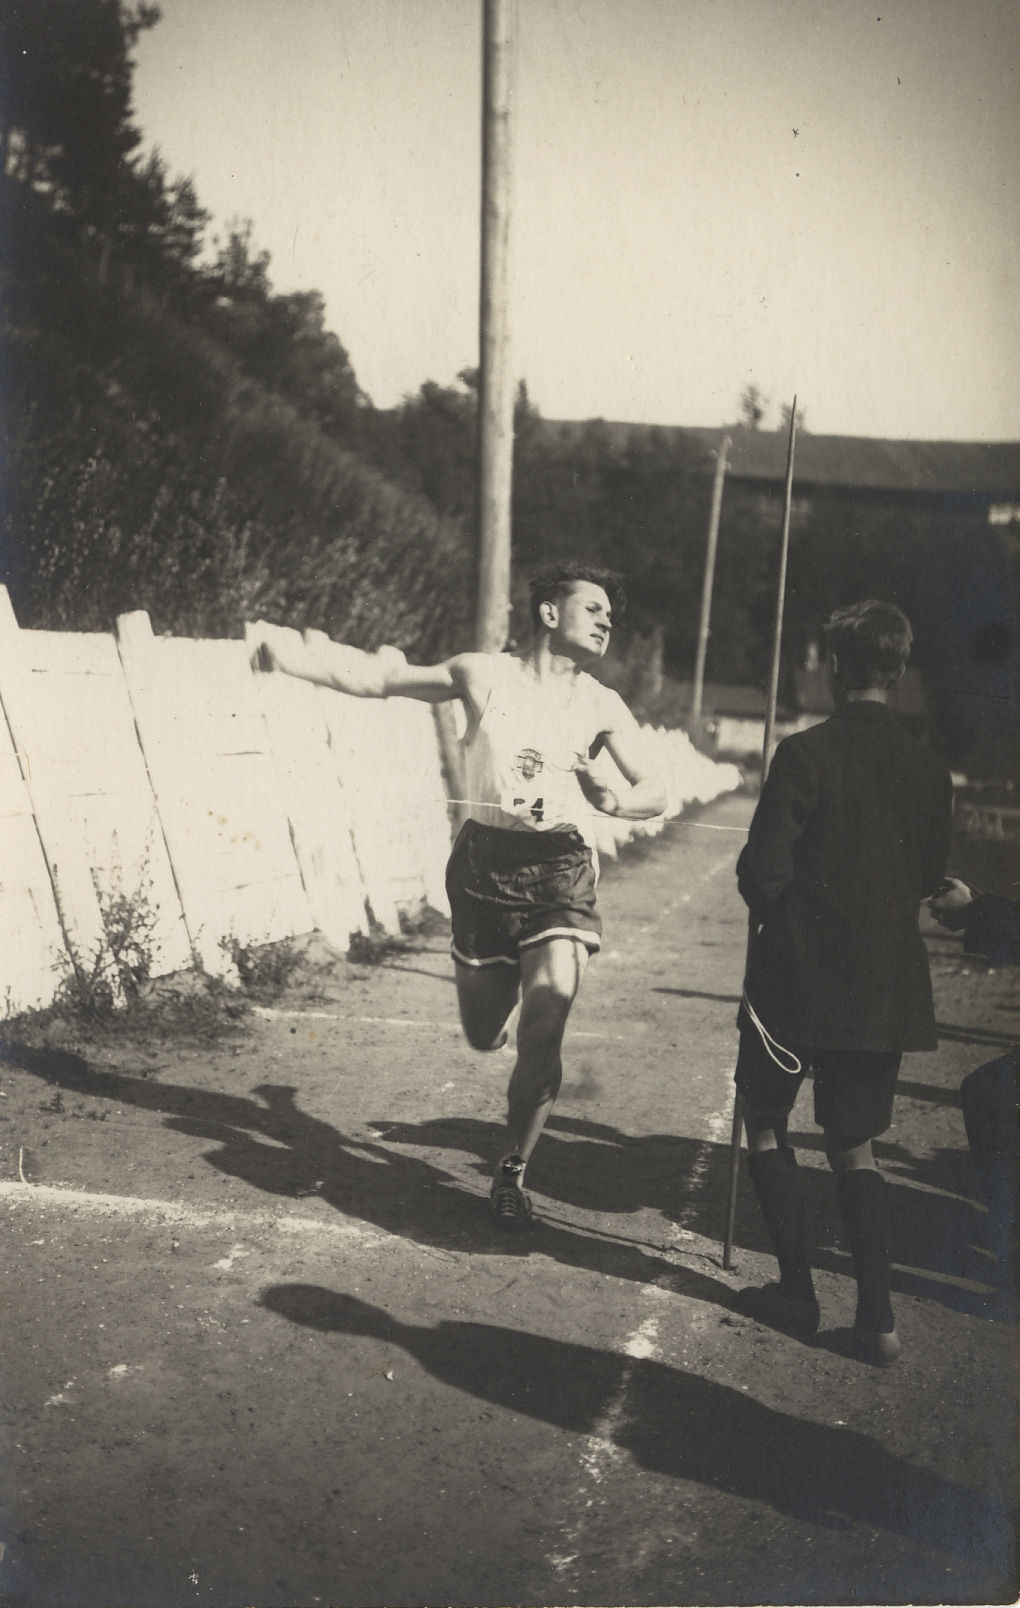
[
  {"x": 778, "y": 1186},
  {"x": 863, "y": 1207}
]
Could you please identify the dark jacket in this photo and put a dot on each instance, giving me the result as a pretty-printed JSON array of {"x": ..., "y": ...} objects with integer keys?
[
  {"x": 851, "y": 832},
  {"x": 991, "y": 927}
]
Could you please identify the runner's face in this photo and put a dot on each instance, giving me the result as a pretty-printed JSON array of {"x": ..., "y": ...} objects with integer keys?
[{"x": 584, "y": 621}]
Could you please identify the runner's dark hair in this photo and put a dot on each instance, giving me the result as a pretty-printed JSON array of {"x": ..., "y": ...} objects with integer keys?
[
  {"x": 871, "y": 642},
  {"x": 554, "y": 581}
]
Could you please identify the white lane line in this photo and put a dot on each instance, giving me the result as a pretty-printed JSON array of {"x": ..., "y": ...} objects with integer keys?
[
  {"x": 720, "y": 1128},
  {"x": 713, "y": 871},
  {"x": 720, "y": 1124},
  {"x": 602, "y": 1450},
  {"x": 270, "y": 1013},
  {"x": 172, "y": 1211}
]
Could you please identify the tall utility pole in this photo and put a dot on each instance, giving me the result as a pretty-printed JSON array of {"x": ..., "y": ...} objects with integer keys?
[
  {"x": 496, "y": 385},
  {"x": 698, "y": 690}
]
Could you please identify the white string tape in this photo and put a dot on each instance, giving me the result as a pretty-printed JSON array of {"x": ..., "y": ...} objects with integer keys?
[{"x": 771, "y": 1044}]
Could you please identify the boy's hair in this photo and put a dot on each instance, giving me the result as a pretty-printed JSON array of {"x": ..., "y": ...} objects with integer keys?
[
  {"x": 871, "y": 641},
  {"x": 551, "y": 584}
]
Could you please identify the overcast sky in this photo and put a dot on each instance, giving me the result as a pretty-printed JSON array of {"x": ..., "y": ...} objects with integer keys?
[{"x": 815, "y": 196}]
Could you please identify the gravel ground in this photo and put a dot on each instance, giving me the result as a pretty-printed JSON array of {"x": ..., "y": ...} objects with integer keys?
[{"x": 263, "y": 1347}]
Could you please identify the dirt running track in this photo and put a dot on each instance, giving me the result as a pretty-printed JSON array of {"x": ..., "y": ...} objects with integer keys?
[{"x": 262, "y": 1347}]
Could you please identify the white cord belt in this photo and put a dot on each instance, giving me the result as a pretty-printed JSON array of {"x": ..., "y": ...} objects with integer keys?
[{"x": 776, "y": 1051}]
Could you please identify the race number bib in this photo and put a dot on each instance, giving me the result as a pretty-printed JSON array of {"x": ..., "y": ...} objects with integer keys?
[
  {"x": 528, "y": 804},
  {"x": 526, "y": 797}
]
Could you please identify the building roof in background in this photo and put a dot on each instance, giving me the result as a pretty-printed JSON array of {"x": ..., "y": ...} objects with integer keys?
[
  {"x": 811, "y": 696},
  {"x": 722, "y": 698},
  {"x": 989, "y": 469}
]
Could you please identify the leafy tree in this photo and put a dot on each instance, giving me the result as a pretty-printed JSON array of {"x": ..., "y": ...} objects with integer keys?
[
  {"x": 786, "y": 414},
  {"x": 753, "y": 405},
  {"x": 433, "y": 445},
  {"x": 294, "y": 352},
  {"x": 240, "y": 272},
  {"x": 282, "y": 341},
  {"x": 65, "y": 105}
]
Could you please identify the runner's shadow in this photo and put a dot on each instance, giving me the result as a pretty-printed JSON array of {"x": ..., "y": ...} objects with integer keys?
[
  {"x": 274, "y": 1146},
  {"x": 277, "y": 1148},
  {"x": 411, "y": 1197},
  {"x": 593, "y": 1167},
  {"x": 582, "y": 1164},
  {"x": 690, "y": 1428}
]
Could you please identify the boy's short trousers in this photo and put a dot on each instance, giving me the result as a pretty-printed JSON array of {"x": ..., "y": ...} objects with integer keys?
[
  {"x": 509, "y": 890},
  {"x": 854, "y": 1089}
]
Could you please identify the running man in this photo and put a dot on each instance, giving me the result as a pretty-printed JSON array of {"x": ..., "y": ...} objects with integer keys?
[{"x": 522, "y": 874}]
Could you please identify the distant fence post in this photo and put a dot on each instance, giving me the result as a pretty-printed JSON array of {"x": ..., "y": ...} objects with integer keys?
[
  {"x": 314, "y": 800},
  {"x": 33, "y": 938},
  {"x": 206, "y": 747},
  {"x": 135, "y": 643},
  {"x": 74, "y": 893}
]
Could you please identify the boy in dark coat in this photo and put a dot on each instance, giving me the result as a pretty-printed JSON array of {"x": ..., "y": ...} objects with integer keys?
[{"x": 850, "y": 834}]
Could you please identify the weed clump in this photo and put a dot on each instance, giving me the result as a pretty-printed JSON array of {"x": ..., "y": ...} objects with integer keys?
[
  {"x": 121, "y": 964},
  {"x": 377, "y": 945},
  {"x": 264, "y": 970}
]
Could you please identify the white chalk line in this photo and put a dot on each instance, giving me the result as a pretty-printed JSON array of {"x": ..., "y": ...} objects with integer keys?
[
  {"x": 270, "y": 1013},
  {"x": 173, "y": 1212},
  {"x": 602, "y": 1449}
]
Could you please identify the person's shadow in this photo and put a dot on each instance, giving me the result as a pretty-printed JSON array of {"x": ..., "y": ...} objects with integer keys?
[
  {"x": 682, "y": 1425},
  {"x": 276, "y": 1147},
  {"x": 591, "y": 1167}
]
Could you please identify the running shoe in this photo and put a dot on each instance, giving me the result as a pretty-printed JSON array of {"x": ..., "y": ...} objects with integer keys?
[{"x": 509, "y": 1205}]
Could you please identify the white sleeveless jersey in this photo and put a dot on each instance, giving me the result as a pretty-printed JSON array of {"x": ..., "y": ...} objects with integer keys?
[{"x": 521, "y": 757}]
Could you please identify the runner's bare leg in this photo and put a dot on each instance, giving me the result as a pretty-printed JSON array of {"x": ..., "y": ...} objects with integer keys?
[
  {"x": 486, "y": 996},
  {"x": 551, "y": 975}
]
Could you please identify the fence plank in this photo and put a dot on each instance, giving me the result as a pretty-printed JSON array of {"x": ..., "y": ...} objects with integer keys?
[
  {"x": 93, "y": 803},
  {"x": 388, "y": 763},
  {"x": 70, "y": 718},
  {"x": 315, "y": 803},
  {"x": 258, "y": 807},
  {"x": 208, "y": 756},
  {"x": 33, "y": 954}
]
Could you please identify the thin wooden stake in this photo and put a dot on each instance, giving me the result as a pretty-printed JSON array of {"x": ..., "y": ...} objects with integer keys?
[
  {"x": 766, "y": 760},
  {"x": 777, "y": 629},
  {"x": 697, "y": 691}
]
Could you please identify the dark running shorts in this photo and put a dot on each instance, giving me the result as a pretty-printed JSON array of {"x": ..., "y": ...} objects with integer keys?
[
  {"x": 854, "y": 1089},
  {"x": 509, "y": 890}
]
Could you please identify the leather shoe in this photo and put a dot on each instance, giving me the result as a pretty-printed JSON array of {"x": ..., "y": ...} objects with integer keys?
[{"x": 880, "y": 1349}]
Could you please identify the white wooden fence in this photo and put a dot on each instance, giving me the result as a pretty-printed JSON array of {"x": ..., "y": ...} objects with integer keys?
[{"x": 235, "y": 809}]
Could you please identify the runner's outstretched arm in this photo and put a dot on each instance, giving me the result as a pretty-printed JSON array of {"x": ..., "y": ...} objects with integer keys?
[{"x": 386, "y": 673}]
